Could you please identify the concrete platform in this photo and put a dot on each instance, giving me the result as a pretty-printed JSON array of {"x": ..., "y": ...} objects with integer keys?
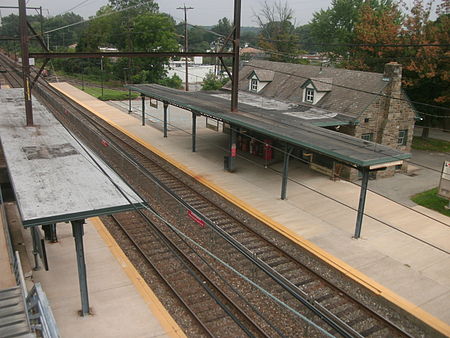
[
  {"x": 122, "y": 304},
  {"x": 7, "y": 279},
  {"x": 402, "y": 255}
]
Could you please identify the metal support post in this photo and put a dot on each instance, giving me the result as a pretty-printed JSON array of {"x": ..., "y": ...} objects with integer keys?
[
  {"x": 194, "y": 131},
  {"x": 25, "y": 62},
  {"x": 166, "y": 105},
  {"x": 143, "y": 109},
  {"x": 236, "y": 44},
  {"x": 78, "y": 232},
  {"x": 233, "y": 149},
  {"x": 362, "y": 202},
  {"x": 129, "y": 101},
  {"x": 287, "y": 154},
  {"x": 36, "y": 241}
]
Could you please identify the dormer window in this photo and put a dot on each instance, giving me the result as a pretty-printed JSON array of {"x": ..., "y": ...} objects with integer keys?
[
  {"x": 258, "y": 79},
  {"x": 254, "y": 85},
  {"x": 314, "y": 89},
  {"x": 309, "y": 95}
]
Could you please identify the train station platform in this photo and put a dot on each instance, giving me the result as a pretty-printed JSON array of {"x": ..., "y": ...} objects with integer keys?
[
  {"x": 403, "y": 253},
  {"x": 121, "y": 302}
]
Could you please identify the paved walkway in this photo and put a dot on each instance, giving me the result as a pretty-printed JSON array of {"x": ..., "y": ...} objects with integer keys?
[
  {"x": 120, "y": 303},
  {"x": 405, "y": 251}
]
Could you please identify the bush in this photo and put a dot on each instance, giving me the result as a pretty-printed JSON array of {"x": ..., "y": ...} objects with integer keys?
[{"x": 213, "y": 82}]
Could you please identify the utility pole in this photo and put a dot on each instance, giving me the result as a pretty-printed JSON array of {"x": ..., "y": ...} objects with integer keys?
[
  {"x": 186, "y": 42},
  {"x": 25, "y": 62}
]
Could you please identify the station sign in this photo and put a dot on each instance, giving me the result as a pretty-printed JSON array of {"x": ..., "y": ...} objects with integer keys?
[{"x": 444, "y": 184}]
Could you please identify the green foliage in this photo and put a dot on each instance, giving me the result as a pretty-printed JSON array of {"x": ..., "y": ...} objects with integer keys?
[
  {"x": 430, "y": 144},
  {"x": 108, "y": 94},
  {"x": 213, "y": 82},
  {"x": 336, "y": 25},
  {"x": 172, "y": 82},
  {"x": 430, "y": 199},
  {"x": 58, "y": 39},
  {"x": 223, "y": 27},
  {"x": 278, "y": 35},
  {"x": 148, "y": 31}
]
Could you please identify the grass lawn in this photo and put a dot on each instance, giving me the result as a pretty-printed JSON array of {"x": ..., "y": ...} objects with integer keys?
[
  {"x": 430, "y": 144},
  {"x": 429, "y": 199},
  {"x": 108, "y": 94}
]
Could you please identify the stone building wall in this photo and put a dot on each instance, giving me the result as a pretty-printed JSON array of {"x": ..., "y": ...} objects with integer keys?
[{"x": 384, "y": 119}]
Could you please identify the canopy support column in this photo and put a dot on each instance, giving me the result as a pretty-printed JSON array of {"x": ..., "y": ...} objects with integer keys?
[
  {"x": 287, "y": 154},
  {"x": 78, "y": 232},
  {"x": 233, "y": 149},
  {"x": 194, "y": 131},
  {"x": 362, "y": 202},
  {"x": 143, "y": 109},
  {"x": 166, "y": 105},
  {"x": 129, "y": 101}
]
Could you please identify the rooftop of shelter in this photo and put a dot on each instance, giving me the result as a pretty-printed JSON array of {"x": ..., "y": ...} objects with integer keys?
[
  {"x": 54, "y": 176},
  {"x": 280, "y": 125}
]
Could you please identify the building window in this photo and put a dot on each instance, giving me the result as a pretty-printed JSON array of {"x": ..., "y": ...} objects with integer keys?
[
  {"x": 309, "y": 95},
  {"x": 367, "y": 137},
  {"x": 402, "y": 137},
  {"x": 366, "y": 120},
  {"x": 254, "y": 85}
]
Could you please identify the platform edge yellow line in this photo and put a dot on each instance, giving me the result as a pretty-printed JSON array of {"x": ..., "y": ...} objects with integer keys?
[
  {"x": 164, "y": 318},
  {"x": 333, "y": 261}
]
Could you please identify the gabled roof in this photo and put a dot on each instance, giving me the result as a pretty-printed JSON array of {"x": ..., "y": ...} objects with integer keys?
[
  {"x": 320, "y": 84},
  {"x": 288, "y": 79},
  {"x": 263, "y": 75}
]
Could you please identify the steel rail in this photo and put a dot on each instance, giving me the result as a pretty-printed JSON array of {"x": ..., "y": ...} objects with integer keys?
[{"x": 269, "y": 270}]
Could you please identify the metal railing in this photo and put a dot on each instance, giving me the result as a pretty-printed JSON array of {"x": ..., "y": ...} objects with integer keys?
[{"x": 40, "y": 314}]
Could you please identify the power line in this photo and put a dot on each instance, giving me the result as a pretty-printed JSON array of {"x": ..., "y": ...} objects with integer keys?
[
  {"x": 366, "y": 92},
  {"x": 391, "y": 45},
  {"x": 330, "y": 197}
]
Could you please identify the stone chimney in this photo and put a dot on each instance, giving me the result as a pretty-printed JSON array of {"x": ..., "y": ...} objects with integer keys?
[
  {"x": 390, "y": 109},
  {"x": 393, "y": 74}
]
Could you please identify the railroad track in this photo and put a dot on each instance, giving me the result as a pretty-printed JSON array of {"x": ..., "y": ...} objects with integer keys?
[{"x": 269, "y": 292}]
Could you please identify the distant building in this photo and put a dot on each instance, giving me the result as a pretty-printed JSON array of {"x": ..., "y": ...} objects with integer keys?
[{"x": 345, "y": 93}]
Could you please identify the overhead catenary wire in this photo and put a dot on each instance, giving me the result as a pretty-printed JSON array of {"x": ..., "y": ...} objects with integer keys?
[{"x": 323, "y": 194}]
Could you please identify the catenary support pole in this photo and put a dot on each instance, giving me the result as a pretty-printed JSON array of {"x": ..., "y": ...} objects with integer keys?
[
  {"x": 25, "y": 62},
  {"x": 186, "y": 42},
  {"x": 194, "y": 131},
  {"x": 143, "y": 109},
  {"x": 236, "y": 50},
  {"x": 78, "y": 232},
  {"x": 166, "y": 105},
  {"x": 284, "y": 181},
  {"x": 362, "y": 201},
  {"x": 233, "y": 149}
]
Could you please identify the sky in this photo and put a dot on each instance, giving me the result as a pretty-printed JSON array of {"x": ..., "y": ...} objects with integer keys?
[{"x": 205, "y": 12}]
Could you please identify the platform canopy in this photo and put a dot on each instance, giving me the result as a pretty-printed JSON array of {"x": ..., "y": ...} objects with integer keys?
[
  {"x": 281, "y": 125},
  {"x": 55, "y": 179}
]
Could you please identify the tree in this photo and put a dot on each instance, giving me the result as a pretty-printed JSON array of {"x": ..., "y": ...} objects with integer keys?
[
  {"x": 223, "y": 27},
  {"x": 336, "y": 25},
  {"x": 277, "y": 35},
  {"x": 149, "y": 31},
  {"x": 375, "y": 28},
  {"x": 213, "y": 82}
]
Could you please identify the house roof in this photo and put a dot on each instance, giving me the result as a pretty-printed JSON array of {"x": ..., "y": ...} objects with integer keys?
[
  {"x": 262, "y": 75},
  {"x": 250, "y": 50},
  {"x": 321, "y": 84},
  {"x": 288, "y": 79}
]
